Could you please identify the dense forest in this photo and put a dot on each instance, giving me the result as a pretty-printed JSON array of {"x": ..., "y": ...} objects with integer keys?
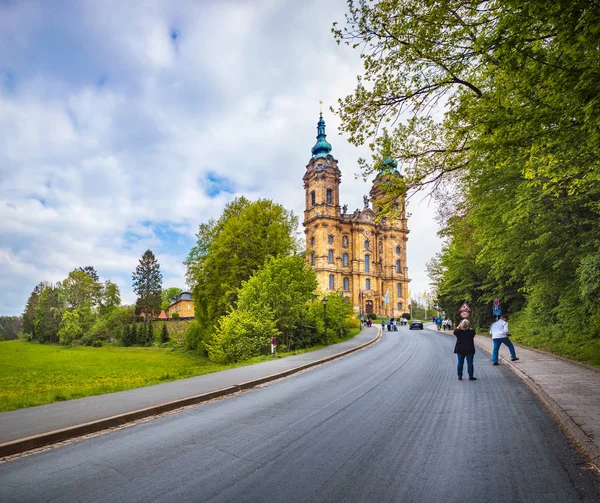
[{"x": 493, "y": 108}]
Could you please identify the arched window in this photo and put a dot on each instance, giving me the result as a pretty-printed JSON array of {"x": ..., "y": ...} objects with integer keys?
[
  {"x": 398, "y": 250},
  {"x": 330, "y": 239},
  {"x": 367, "y": 263},
  {"x": 331, "y": 282},
  {"x": 366, "y": 244},
  {"x": 329, "y": 196},
  {"x": 330, "y": 256},
  {"x": 399, "y": 306},
  {"x": 345, "y": 241},
  {"x": 368, "y": 284},
  {"x": 312, "y": 258},
  {"x": 399, "y": 290},
  {"x": 346, "y": 284},
  {"x": 312, "y": 241},
  {"x": 345, "y": 260},
  {"x": 313, "y": 198},
  {"x": 398, "y": 268}
]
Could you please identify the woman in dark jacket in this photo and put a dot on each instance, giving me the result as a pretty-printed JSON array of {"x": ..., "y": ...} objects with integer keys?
[{"x": 465, "y": 348}]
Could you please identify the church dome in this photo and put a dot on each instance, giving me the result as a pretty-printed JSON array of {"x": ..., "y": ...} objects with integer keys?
[{"x": 322, "y": 148}]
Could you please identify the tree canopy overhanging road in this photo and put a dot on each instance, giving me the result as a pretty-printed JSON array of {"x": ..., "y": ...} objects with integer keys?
[{"x": 390, "y": 423}]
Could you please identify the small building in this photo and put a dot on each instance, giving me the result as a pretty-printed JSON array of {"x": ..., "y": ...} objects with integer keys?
[{"x": 183, "y": 305}]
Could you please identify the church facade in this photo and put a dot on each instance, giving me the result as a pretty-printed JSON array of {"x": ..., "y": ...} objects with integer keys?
[{"x": 353, "y": 253}]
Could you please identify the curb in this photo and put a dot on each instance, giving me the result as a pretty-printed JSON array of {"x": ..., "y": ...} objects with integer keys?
[
  {"x": 560, "y": 416},
  {"x": 44, "y": 439}
]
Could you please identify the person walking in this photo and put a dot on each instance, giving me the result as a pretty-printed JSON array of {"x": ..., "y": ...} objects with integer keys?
[
  {"x": 465, "y": 349},
  {"x": 500, "y": 335}
]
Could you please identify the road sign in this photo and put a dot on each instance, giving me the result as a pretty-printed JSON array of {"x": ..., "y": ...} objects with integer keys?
[
  {"x": 496, "y": 310},
  {"x": 464, "y": 314},
  {"x": 465, "y": 307},
  {"x": 496, "y": 302}
]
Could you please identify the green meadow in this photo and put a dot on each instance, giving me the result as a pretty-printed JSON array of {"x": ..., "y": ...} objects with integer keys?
[{"x": 36, "y": 374}]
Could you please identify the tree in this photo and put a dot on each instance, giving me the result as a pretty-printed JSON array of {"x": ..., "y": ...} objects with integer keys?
[
  {"x": 134, "y": 334},
  {"x": 518, "y": 141},
  {"x": 127, "y": 339},
  {"x": 70, "y": 329},
  {"x": 147, "y": 284},
  {"x": 282, "y": 288},
  {"x": 231, "y": 249},
  {"x": 48, "y": 314},
  {"x": 168, "y": 295},
  {"x": 91, "y": 272},
  {"x": 30, "y": 306},
  {"x": 164, "y": 334},
  {"x": 110, "y": 298},
  {"x": 81, "y": 288},
  {"x": 10, "y": 326}
]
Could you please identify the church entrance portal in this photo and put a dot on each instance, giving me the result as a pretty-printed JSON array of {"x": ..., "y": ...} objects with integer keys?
[{"x": 369, "y": 306}]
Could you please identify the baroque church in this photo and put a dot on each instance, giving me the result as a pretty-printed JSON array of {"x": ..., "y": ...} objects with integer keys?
[{"x": 363, "y": 259}]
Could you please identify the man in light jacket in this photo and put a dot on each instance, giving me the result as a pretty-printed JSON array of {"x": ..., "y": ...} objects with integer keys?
[{"x": 499, "y": 331}]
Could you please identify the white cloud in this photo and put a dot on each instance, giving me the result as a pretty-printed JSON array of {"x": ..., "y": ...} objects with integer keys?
[{"x": 106, "y": 152}]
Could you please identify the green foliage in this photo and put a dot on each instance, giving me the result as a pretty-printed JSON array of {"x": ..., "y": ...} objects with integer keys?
[
  {"x": 147, "y": 284},
  {"x": 339, "y": 312},
  {"x": 80, "y": 288},
  {"x": 110, "y": 298},
  {"x": 48, "y": 314},
  {"x": 168, "y": 295},
  {"x": 10, "y": 326},
  {"x": 29, "y": 312},
  {"x": 230, "y": 250},
  {"x": 134, "y": 334},
  {"x": 127, "y": 339},
  {"x": 70, "y": 329},
  {"x": 241, "y": 335},
  {"x": 193, "y": 338},
  {"x": 518, "y": 146},
  {"x": 164, "y": 334},
  {"x": 175, "y": 316}
]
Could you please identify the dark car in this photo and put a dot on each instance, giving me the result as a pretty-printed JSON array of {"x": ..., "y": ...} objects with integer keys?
[{"x": 416, "y": 325}]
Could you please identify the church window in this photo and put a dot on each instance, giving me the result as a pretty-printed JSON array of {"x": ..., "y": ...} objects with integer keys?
[
  {"x": 331, "y": 282},
  {"x": 312, "y": 241},
  {"x": 346, "y": 284},
  {"x": 330, "y": 239},
  {"x": 329, "y": 196},
  {"x": 398, "y": 250},
  {"x": 399, "y": 306},
  {"x": 367, "y": 244},
  {"x": 397, "y": 206},
  {"x": 345, "y": 260},
  {"x": 330, "y": 256},
  {"x": 312, "y": 258},
  {"x": 367, "y": 263},
  {"x": 345, "y": 241},
  {"x": 399, "y": 290},
  {"x": 398, "y": 268},
  {"x": 368, "y": 284},
  {"x": 313, "y": 198}
]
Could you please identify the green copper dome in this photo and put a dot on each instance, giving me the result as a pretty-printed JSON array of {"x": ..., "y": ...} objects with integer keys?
[{"x": 322, "y": 147}]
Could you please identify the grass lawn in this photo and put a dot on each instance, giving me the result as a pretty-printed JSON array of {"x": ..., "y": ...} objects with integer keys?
[{"x": 36, "y": 374}]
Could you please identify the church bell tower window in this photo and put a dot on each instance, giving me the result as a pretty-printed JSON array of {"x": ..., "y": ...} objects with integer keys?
[
  {"x": 313, "y": 198},
  {"x": 330, "y": 256},
  {"x": 331, "y": 282},
  {"x": 329, "y": 196}
]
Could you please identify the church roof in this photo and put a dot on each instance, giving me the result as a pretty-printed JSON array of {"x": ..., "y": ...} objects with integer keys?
[{"x": 322, "y": 147}]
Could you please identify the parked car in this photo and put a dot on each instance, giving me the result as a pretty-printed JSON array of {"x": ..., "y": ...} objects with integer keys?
[{"x": 416, "y": 325}]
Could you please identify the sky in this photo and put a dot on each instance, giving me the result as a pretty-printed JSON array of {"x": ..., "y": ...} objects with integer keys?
[{"x": 125, "y": 125}]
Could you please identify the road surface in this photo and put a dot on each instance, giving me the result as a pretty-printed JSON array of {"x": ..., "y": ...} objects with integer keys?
[{"x": 387, "y": 424}]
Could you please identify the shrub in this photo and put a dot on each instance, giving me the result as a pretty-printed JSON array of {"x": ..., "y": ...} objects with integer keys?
[
  {"x": 175, "y": 316},
  {"x": 164, "y": 334},
  {"x": 193, "y": 338},
  {"x": 97, "y": 344},
  {"x": 406, "y": 316},
  {"x": 242, "y": 335}
]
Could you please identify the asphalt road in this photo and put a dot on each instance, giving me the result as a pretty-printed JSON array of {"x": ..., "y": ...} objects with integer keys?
[{"x": 390, "y": 423}]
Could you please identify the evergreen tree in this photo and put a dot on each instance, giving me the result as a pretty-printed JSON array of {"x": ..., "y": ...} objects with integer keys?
[
  {"x": 147, "y": 284},
  {"x": 29, "y": 312},
  {"x": 164, "y": 334},
  {"x": 149, "y": 333},
  {"x": 48, "y": 314},
  {"x": 126, "y": 340},
  {"x": 134, "y": 334}
]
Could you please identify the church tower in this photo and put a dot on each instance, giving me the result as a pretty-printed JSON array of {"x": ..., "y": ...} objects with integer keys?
[{"x": 359, "y": 255}]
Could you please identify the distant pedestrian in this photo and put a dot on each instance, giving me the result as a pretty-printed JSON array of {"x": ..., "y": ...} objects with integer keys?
[
  {"x": 465, "y": 349},
  {"x": 500, "y": 335}
]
